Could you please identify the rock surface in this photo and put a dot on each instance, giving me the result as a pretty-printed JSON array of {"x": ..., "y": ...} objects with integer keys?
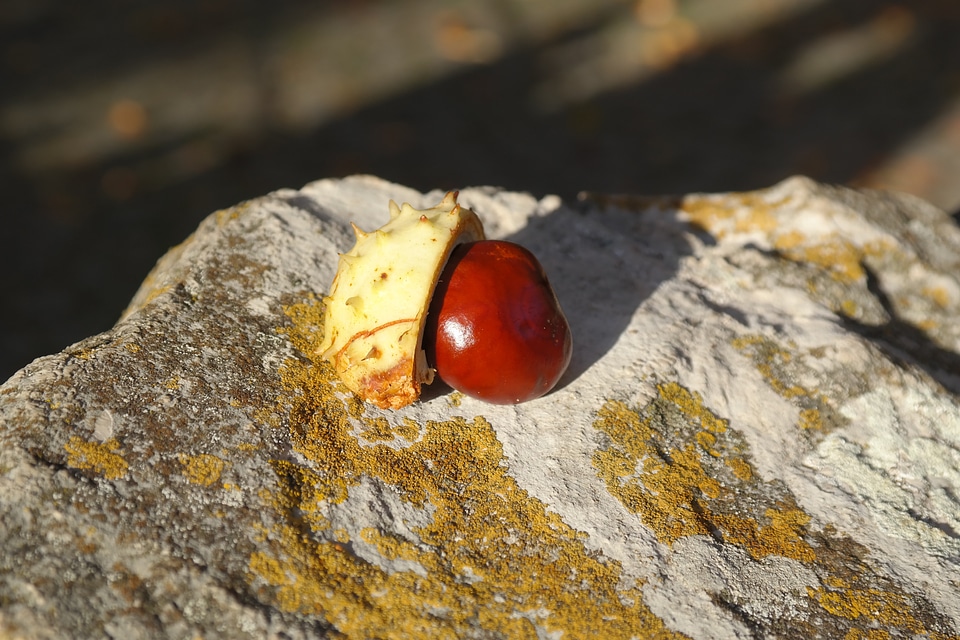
[{"x": 758, "y": 437}]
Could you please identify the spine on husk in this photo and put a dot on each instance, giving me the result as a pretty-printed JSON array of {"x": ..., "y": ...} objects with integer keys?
[{"x": 375, "y": 313}]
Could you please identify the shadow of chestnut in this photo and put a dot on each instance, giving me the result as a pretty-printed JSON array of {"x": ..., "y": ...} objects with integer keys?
[{"x": 604, "y": 259}]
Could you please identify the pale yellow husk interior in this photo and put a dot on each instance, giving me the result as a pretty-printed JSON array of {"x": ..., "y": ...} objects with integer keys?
[{"x": 376, "y": 311}]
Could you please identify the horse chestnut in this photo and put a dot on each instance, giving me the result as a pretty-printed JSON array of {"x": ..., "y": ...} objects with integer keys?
[
  {"x": 495, "y": 330},
  {"x": 426, "y": 294}
]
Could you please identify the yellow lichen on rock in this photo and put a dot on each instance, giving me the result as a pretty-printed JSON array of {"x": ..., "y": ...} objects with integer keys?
[
  {"x": 838, "y": 256},
  {"x": 203, "y": 469},
  {"x": 381, "y": 430},
  {"x": 493, "y": 560},
  {"x": 775, "y": 363},
  {"x": 871, "y": 608},
  {"x": 938, "y": 294},
  {"x": 720, "y": 219},
  {"x": 753, "y": 214},
  {"x": 493, "y": 557},
  {"x": 810, "y": 420},
  {"x": 681, "y": 490},
  {"x": 490, "y": 559},
  {"x": 101, "y": 457},
  {"x": 671, "y": 487}
]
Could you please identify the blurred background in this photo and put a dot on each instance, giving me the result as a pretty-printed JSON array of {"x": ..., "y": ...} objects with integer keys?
[{"x": 124, "y": 123}]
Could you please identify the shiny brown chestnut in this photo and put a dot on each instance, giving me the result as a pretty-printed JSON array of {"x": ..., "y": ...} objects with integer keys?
[{"x": 495, "y": 330}]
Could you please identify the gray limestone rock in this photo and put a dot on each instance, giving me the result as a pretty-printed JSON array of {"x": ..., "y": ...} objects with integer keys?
[{"x": 758, "y": 437}]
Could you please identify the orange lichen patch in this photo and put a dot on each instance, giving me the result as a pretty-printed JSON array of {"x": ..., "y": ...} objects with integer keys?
[
  {"x": 380, "y": 429},
  {"x": 810, "y": 420},
  {"x": 203, "y": 469},
  {"x": 775, "y": 364},
  {"x": 751, "y": 213},
  {"x": 267, "y": 415},
  {"x": 492, "y": 561},
  {"x": 82, "y": 354},
  {"x": 706, "y": 441},
  {"x": 770, "y": 359},
  {"x": 839, "y": 257},
  {"x": 132, "y": 347},
  {"x": 672, "y": 489},
  {"x": 789, "y": 240},
  {"x": 741, "y": 468},
  {"x": 692, "y": 405},
  {"x": 782, "y": 536},
  {"x": 526, "y": 565},
  {"x": 100, "y": 457},
  {"x": 658, "y": 469},
  {"x": 306, "y": 324},
  {"x": 225, "y": 216},
  {"x": 939, "y": 295},
  {"x": 849, "y": 308},
  {"x": 873, "y": 607}
]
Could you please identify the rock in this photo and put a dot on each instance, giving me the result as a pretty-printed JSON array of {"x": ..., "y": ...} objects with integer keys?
[{"x": 758, "y": 436}]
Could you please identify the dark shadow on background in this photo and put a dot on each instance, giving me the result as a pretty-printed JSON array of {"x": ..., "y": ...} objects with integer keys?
[{"x": 715, "y": 122}]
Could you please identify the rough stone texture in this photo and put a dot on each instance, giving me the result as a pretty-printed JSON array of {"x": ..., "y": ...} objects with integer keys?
[{"x": 758, "y": 437}]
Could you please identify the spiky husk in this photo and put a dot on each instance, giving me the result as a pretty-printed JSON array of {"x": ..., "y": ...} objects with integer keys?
[{"x": 375, "y": 313}]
